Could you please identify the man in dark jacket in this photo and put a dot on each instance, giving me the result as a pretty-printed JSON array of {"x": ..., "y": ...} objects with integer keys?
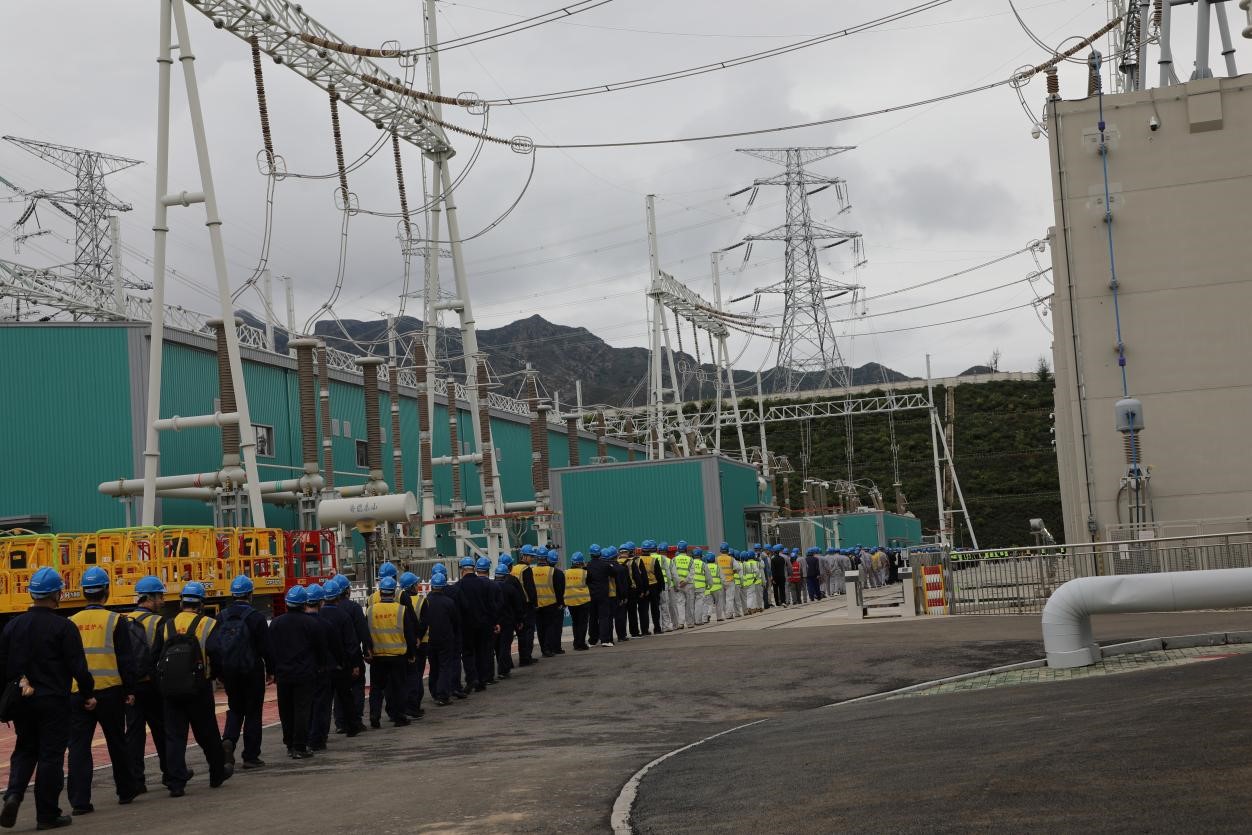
[
  {"x": 245, "y": 688},
  {"x": 473, "y": 600},
  {"x": 45, "y": 651},
  {"x": 510, "y": 615},
  {"x": 442, "y": 620},
  {"x": 336, "y": 660},
  {"x": 812, "y": 574},
  {"x": 556, "y": 623},
  {"x": 778, "y": 571},
  {"x": 526, "y": 635},
  {"x": 602, "y": 586},
  {"x": 299, "y": 652},
  {"x": 412, "y": 597},
  {"x": 350, "y": 715},
  {"x": 334, "y": 615},
  {"x": 485, "y": 648},
  {"x": 621, "y": 589}
]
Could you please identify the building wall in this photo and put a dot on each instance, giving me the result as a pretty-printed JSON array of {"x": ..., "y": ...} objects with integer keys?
[
  {"x": 1180, "y": 198},
  {"x": 66, "y": 412},
  {"x": 84, "y": 424},
  {"x": 739, "y": 491}
]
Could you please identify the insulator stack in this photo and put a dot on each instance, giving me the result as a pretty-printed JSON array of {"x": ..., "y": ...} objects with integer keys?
[
  {"x": 373, "y": 424},
  {"x": 423, "y": 417},
  {"x": 349, "y": 49},
  {"x": 484, "y": 434},
  {"x": 571, "y": 431},
  {"x": 454, "y": 443},
  {"x": 787, "y": 494},
  {"x": 601, "y": 447},
  {"x": 1093, "y": 80},
  {"x": 262, "y": 106},
  {"x": 1132, "y": 443},
  {"x": 323, "y": 396},
  {"x": 226, "y": 394},
  {"x": 404, "y": 199},
  {"x": 397, "y": 454},
  {"x": 1053, "y": 82},
  {"x": 1156, "y": 14},
  {"x": 334, "y": 128},
  {"x": 306, "y": 387}
]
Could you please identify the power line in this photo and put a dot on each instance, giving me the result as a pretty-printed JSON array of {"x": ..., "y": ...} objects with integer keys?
[
  {"x": 782, "y": 128},
  {"x": 715, "y": 66}
]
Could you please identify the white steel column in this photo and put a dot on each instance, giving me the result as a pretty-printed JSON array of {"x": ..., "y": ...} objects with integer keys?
[
  {"x": 115, "y": 242},
  {"x": 658, "y": 313},
  {"x": 934, "y": 448},
  {"x": 247, "y": 437}
]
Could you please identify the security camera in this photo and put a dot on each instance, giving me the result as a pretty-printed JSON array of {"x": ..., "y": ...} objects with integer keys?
[
  {"x": 1035, "y": 132},
  {"x": 1154, "y": 123}
]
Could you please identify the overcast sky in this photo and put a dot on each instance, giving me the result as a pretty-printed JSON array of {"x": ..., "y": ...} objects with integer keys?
[{"x": 934, "y": 190}]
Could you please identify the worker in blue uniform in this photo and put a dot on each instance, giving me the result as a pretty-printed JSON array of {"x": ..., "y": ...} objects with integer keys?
[
  {"x": 344, "y": 633},
  {"x": 189, "y": 704},
  {"x": 349, "y": 716},
  {"x": 510, "y": 615},
  {"x": 442, "y": 622},
  {"x": 147, "y": 712},
  {"x": 45, "y": 652},
  {"x": 415, "y": 601},
  {"x": 299, "y": 651},
  {"x": 334, "y": 661},
  {"x": 813, "y": 573},
  {"x": 621, "y": 592},
  {"x": 106, "y": 642},
  {"x": 242, "y": 641},
  {"x": 477, "y": 623},
  {"x": 393, "y": 629},
  {"x": 593, "y": 613},
  {"x": 602, "y": 589},
  {"x": 434, "y": 660},
  {"x": 485, "y": 652}
]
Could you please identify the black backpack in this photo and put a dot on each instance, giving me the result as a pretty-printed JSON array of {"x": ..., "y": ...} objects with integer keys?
[
  {"x": 180, "y": 669},
  {"x": 145, "y": 659},
  {"x": 233, "y": 642}
]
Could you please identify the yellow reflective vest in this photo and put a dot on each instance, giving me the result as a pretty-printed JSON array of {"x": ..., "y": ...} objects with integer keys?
[
  {"x": 96, "y": 626},
  {"x": 386, "y": 628},
  {"x": 417, "y": 602},
  {"x": 726, "y": 565},
  {"x": 517, "y": 571},
  {"x": 543, "y": 585},
  {"x": 682, "y": 567},
  {"x": 713, "y": 570},
  {"x": 576, "y": 593}
]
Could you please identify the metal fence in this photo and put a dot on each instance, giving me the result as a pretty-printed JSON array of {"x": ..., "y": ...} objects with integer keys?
[{"x": 1020, "y": 580}]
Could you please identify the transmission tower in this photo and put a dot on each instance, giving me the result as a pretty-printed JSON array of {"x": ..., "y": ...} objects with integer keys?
[
  {"x": 806, "y": 339},
  {"x": 92, "y": 209}
]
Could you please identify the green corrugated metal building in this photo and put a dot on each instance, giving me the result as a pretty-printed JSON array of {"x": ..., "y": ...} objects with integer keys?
[
  {"x": 74, "y": 417},
  {"x": 704, "y": 500}
]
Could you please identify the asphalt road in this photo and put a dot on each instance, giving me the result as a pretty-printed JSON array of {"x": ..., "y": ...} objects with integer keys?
[{"x": 550, "y": 749}]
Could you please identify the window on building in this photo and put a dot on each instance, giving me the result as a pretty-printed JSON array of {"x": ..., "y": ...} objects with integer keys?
[
  {"x": 264, "y": 440},
  {"x": 347, "y": 429},
  {"x": 334, "y": 427},
  {"x": 362, "y": 455}
]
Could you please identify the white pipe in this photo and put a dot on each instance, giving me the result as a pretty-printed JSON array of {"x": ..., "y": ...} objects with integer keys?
[
  {"x": 178, "y": 423},
  {"x": 135, "y": 486},
  {"x": 1067, "y": 636}
]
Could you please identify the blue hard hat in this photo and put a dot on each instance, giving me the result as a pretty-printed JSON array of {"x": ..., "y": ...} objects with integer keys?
[
  {"x": 830, "y": 549},
  {"x": 682, "y": 545},
  {"x": 45, "y": 582},
  {"x": 95, "y": 578},
  {"x": 662, "y": 546},
  {"x": 725, "y": 547},
  {"x": 698, "y": 552},
  {"x": 241, "y": 586},
  {"x": 502, "y": 568},
  {"x": 439, "y": 581},
  {"x": 649, "y": 545},
  {"x": 610, "y": 552},
  {"x": 505, "y": 559},
  {"x": 439, "y": 568},
  {"x": 388, "y": 569},
  {"x": 577, "y": 558},
  {"x": 628, "y": 545},
  {"x": 387, "y": 585},
  {"x": 332, "y": 589},
  {"x": 408, "y": 580},
  {"x": 710, "y": 557},
  {"x": 466, "y": 562},
  {"x": 811, "y": 550},
  {"x": 756, "y": 546},
  {"x": 554, "y": 557},
  {"x": 527, "y": 550},
  {"x": 316, "y": 594},
  {"x": 483, "y": 564},
  {"x": 193, "y": 591},
  {"x": 777, "y": 549},
  {"x": 296, "y": 596},
  {"x": 344, "y": 583},
  {"x": 594, "y": 549},
  {"x": 150, "y": 585}
]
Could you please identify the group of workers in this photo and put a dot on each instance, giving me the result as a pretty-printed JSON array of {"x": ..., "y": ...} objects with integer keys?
[{"x": 140, "y": 671}]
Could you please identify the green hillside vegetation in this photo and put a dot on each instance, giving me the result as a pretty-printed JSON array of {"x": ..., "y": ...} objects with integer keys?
[{"x": 1004, "y": 458}]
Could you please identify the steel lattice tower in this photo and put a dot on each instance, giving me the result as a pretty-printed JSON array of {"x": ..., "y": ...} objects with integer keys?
[
  {"x": 806, "y": 340},
  {"x": 90, "y": 205}
]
